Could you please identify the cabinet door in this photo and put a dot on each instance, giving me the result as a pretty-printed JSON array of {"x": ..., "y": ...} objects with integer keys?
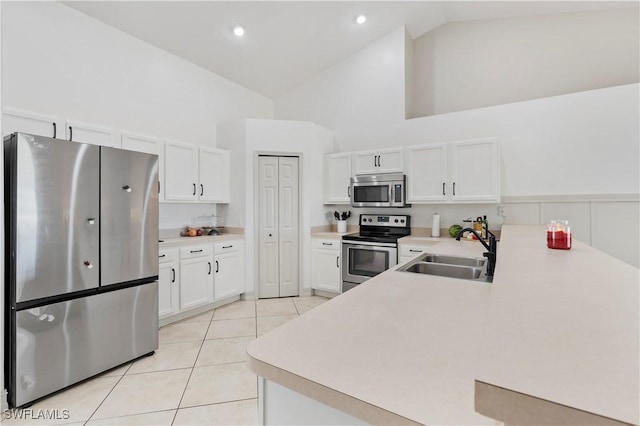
[
  {"x": 180, "y": 171},
  {"x": 89, "y": 133},
  {"x": 26, "y": 122},
  {"x": 475, "y": 171},
  {"x": 364, "y": 162},
  {"x": 337, "y": 178},
  {"x": 325, "y": 270},
  {"x": 389, "y": 161},
  {"x": 168, "y": 289},
  {"x": 214, "y": 175},
  {"x": 196, "y": 282},
  {"x": 149, "y": 145},
  {"x": 427, "y": 173},
  {"x": 229, "y": 275}
]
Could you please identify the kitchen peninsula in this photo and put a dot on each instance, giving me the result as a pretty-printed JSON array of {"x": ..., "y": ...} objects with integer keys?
[{"x": 555, "y": 326}]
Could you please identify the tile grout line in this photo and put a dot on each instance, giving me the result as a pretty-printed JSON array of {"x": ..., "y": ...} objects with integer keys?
[
  {"x": 192, "y": 369},
  {"x": 107, "y": 396}
]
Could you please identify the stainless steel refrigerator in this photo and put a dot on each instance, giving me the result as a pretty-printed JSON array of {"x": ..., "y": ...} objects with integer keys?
[{"x": 81, "y": 247}]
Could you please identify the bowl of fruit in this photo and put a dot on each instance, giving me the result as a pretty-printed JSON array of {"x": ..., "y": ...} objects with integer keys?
[{"x": 190, "y": 231}]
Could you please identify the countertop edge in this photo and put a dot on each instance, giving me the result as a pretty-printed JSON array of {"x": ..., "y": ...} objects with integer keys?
[
  {"x": 331, "y": 397},
  {"x": 512, "y": 407},
  {"x": 204, "y": 239}
]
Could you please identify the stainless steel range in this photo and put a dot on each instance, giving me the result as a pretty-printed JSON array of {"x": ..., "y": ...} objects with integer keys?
[{"x": 374, "y": 249}]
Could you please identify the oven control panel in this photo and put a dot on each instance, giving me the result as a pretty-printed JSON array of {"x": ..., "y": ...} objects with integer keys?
[{"x": 401, "y": 221}]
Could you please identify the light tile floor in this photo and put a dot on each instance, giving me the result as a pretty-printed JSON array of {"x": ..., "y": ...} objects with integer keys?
[{"x": 197, "y": 376}]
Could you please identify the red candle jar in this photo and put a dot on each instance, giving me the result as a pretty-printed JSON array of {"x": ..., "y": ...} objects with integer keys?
[{"x": 559, "y": 235}]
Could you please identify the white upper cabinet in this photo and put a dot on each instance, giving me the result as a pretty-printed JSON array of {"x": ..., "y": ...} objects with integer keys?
[
  {"x": 426, "y": 173},
  {"x": 380, "y": 161},
  {"x": 196, "y": 173},
  {"x": 464, "y": 171},
  {"x": 180, "y": 171},
  {"x": 475, "y": 170},
  {"x": 14, "y": 120},
  {"x": 337, "y": 178},
  {"x": 149, "y": 145},
  {"x": 213, "y": 166},
  {"x": 90, "y": 133}
]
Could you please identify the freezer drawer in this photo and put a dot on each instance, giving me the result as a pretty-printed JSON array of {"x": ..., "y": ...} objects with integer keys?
[
  {"x": 53, "y": 206},
  {"x": 61, "y": 344},
  {"x": 129, "y": 214}
]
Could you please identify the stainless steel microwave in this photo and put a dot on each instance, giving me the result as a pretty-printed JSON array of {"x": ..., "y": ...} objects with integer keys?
[{"x": 380, "y": 190}]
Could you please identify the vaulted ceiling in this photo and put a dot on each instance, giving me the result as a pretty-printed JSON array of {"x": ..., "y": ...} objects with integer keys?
[{"x": 287, "y": 42}]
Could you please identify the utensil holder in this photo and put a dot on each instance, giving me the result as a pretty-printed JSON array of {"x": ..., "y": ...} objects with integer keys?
[{"x": 342, "y": 226}]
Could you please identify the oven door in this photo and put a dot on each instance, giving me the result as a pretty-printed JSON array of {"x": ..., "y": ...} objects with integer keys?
[
  {"x": 371, "y": 194},
  {"x": 363, "y": 260}
]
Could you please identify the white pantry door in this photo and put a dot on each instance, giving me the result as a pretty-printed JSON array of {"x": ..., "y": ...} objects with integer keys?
[{"x": 278, "y": 226}]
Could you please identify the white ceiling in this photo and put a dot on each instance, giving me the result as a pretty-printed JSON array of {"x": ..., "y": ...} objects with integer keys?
[{"x": 287, "y": 42}]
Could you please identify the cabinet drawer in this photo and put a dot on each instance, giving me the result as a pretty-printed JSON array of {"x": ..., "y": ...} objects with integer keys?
[
  {"x": 327, "y": 244},
  {"x": 192, "y": 252},
  {"x": 168, "y": 255},
  {"x": 412, "y": 251},
  {"x": 228, "y": 246}
]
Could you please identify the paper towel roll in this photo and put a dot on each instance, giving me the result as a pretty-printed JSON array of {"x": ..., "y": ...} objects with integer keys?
[{"x": 435, "y": 226}]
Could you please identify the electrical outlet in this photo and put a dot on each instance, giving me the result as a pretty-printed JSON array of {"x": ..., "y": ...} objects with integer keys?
[{"x": 501, "y": 211}]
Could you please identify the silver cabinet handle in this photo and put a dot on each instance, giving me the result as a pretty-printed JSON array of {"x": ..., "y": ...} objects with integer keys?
[
  {"x": 338, "y": 262},
  {"x": 91, "y": 221},
  {"x": 126, "y": 188},
  {"x": 88, "y": 264},
  {"x": 327, "y": 244}
]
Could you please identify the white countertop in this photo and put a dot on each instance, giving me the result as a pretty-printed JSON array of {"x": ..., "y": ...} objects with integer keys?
[
  {"x": 203, "y": 239},
  {"x": 398, "y": 348},
  {"x": 561, "y": 326},
  {"x": 329, "y": 235}
]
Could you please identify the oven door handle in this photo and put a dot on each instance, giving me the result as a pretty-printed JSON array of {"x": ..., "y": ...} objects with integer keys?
[{"x": 367, "y": 244}]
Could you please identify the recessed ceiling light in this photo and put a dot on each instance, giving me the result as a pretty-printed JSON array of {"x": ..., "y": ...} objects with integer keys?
[
  {"x": 361, "y": 19},
  {"x": 238, "y": 30}
]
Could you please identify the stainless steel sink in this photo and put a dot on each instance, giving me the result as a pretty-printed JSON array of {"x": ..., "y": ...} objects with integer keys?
[
  {"x": 476, "y": 262},
  {"x": 460, "y": 267}
]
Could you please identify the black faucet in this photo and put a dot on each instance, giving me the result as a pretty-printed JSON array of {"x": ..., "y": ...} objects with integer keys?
[{"x": 492, "y": 247}]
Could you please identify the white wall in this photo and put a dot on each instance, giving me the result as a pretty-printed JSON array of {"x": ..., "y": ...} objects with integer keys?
[
  {"x": 60, "y": 62},
  {"x": 366, "y": 89},
  {"x": 580, "y": 144},
  {"x": 466, "y": 65},
  {"x": 247, "y": 139}
]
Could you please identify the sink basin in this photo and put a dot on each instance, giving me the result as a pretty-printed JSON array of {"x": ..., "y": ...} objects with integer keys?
[
  {"x": 460, "y": 267},
  {"x": 443, "y": 270},
  {"x": 477, "y": 262}
]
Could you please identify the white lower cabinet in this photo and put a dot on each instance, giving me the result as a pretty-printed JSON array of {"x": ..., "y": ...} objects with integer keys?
[
  {"x": 196, "y": 276},
  {"x": 325, "y": 265},
  {"x": 229, "y": 269},
  {"x": 168, "y": 283}
]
